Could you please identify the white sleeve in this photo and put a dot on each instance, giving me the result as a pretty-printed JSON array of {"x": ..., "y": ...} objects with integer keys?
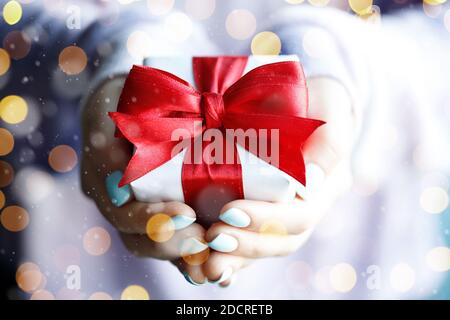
[
  {"x": 135, "y": 39},
  {"x": 330, "y": 43}
]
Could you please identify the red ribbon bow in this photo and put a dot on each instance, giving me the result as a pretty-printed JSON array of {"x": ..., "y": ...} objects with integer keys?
[{"x": 154, "y": 103}]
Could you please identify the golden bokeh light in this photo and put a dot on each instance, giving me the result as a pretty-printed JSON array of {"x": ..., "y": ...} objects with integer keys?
[
  {"x": 193, "y": 259},
  {"x": 135, "y": 292},
  {"x": 6, "y": 142},
  {"x": 72, "y": 60},
  {"x": 17, "y": 44},
  {"x": 63, "y": 158},
  {"x": 26, "y": 266},
  {"x": 373, "y": 16},
  {"x": 361, "y": 6},
  {"x": 160, "y": 228},
  {"x": 42, "y": 295},
  {"x": 6, "y": 174},
  {"x": 434, "y": 2},
  {"x": 5, "y": 61},
  {"x": 178, "y": 27},
  {"x": 100, "y": 296},
  {"x": 294, "y": 1},
  {"x": 139, "y": 44},
  {"x": 240, "y": 24},
  {"x": 13, "y": 109},
  {"x": 96, "y": 241},
  {"x": 273, "y": 227},
  {"x": 2, "y": 199},
  {"x": 160, "y": 7},
  {"x": 432, "y": 11},
  {"x": 342, "y": 277},
  {"x": 29, "y": 277},
  {"x": 14, "y": 218},
  {"x": 438, "y": 259},
  {"x": 30, "y": 281},
  {"x": 434, "y": 200},
  {"x": 402, "y": 277},
  {"x": 266, "y": 43},
  {"x": 12, "y": 12},
  {"x": 200, "y": 9},
  {"x": 319, "y": 3}
]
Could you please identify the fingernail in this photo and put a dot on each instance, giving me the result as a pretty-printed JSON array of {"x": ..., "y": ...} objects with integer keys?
[
  {"x": 232, "y": 280},
  {"x": 182, "y": 222},
  {"x": 226, "y": 274},
  {"x": 192, "y": 246},
  {"x": 224, "y": 243},
  {"x": 117, "y": 195},
  {"x": 235, "y": 217},
  {"x": 190, "y": 280}
]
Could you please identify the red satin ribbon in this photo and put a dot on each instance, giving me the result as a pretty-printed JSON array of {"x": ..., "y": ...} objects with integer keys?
[{"x": 154, "y": 103}]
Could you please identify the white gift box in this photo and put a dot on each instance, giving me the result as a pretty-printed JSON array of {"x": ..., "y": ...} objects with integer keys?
[{"x": 261, "y": 181}]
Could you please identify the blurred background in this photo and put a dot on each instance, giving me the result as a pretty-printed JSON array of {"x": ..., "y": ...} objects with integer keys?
[{"x": 49, "y": 52}]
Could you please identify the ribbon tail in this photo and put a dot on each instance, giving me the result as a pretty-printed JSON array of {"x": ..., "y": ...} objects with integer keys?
[
  {"x": 146, "y": 158},
  {"x": 154, "y": 141},
  {"x": 288, "y": 139}
]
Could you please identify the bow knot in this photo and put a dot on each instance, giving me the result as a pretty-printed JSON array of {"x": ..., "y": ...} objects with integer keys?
[
  {"x": 212, "y": 109},
  {"x": 269, "y": 97}
]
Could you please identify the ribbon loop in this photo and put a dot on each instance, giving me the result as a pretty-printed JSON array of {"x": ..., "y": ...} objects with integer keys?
[
  {"x": 155, "y": 103},
  {"x": 212, "y": 109}
]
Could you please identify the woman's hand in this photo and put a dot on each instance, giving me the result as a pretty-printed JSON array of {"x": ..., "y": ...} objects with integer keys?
[
  {"x": 255, "y": 229},
  {"x": 248, "y": 229},
  {"x": 104, "y": 159}
]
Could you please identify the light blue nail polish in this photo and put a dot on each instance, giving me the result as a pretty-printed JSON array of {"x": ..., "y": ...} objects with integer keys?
[
  {"x": 117, "y": 195},
  {"x": 226, "y": 274},
  {"x": 182, "y": 222},
  {"x": 192, "y": 246},
  {"x": 235, "y": 217},
  {"x": 190, "y": 280},
  {"x": 224, "y": 243}
]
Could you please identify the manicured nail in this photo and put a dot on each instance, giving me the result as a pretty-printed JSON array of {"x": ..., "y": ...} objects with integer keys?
[
  {"x": 182, "y": 222},
  {"x": 235, "y": 217},
  {"x": 190, "y": 280},
  {"x": 192, "y": 246},
  {"x": 224, "y": 243},
  {"x": 226, "y": 274},
  {"x": 117, "y": 195}
]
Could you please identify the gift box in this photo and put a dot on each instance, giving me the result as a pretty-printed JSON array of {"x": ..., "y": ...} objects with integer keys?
[{"x": 208, "y": 130}]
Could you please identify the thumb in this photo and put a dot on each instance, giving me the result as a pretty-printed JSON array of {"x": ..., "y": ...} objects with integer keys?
[{"x": 331, "y": 144}]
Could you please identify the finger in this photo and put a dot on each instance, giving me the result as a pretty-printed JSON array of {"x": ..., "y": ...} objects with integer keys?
[
  {"x": 249, "y": 244},
  {"x": 101, "y": 148},
  {"x": 329, "y": 101},
  {"x": 192, "y": 273},
  {"x": 293, "y": 217},
  {"x": 221, "y": 267},
  {"x": 134, "y": 216},
  {"x": 182, "y": 243},
  {"x": 104, "y": 156},
  {"x": 228, "y": 282}
]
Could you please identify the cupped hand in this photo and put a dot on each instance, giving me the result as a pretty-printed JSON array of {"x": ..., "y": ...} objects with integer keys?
[
  {"x": 103, "y": 161},
  {"x": 250, "y": 230}
]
